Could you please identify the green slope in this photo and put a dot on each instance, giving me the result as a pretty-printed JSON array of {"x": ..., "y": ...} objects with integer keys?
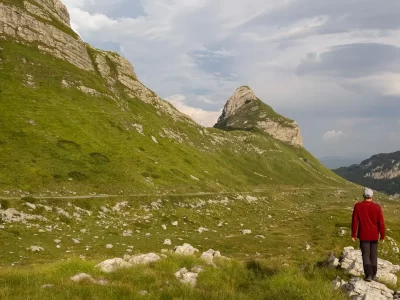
[{"x": 61, "y": 139}]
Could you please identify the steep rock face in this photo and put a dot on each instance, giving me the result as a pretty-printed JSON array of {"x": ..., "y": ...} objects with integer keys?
[
  {"x": 244, "y": 111},
  {"x": 47, "y": 26},
  {"x": 56, "y": 9}
]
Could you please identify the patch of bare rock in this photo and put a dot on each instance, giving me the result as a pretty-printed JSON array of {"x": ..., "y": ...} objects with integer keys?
[{"x": 358, "y": 289}]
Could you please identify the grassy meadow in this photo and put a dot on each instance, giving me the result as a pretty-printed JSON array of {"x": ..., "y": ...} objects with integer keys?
[{"x": 270, "y": 263}]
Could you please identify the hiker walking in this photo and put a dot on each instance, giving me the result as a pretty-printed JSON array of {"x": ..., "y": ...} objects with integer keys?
[{"x": 369, "y": 226}]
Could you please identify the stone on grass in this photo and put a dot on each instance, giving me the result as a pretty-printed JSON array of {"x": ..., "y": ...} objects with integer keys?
[
  {"x": 82, "y": 277},
  {"x": 144, "y": 259},
  {"x": 187, "y": 277},
  {"x": 245, "y": 231},
  {"x": 111, "y": 265},
  {"x": 167, "y": 242},
  {"x": 185, "y": 249},
  {"x": 209, "y": 255},
  {"x": 333, "y": 261},
  {"x": 35, "y": 249},
  {"x": 202, "y": 229},
  {"x": 47, "y": 286},
  {"x": 175, "y": 223},
  {"x": 109, "y": 246}
]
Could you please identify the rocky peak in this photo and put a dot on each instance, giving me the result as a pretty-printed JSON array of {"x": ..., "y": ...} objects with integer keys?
[
  {"x": 242, "y": 96},
  {"x": 244, "y": 111}
]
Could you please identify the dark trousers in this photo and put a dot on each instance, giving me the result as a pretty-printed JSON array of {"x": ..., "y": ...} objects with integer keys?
[{"x": 369, "y": 251}]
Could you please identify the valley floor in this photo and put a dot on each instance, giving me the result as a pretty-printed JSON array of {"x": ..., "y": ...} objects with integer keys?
[{"x": 274, "y": 238}]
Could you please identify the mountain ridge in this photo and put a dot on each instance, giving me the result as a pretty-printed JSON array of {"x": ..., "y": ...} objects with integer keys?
[{"x": 380, "y": 172}]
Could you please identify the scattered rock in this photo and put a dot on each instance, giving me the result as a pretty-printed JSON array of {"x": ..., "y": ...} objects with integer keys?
[
  {"x": 35, "y": 249},
  {"x": 175, "y": 223},
  {"x": 245, "y": 231},
  {"x": 144, "y": 259},
  {"x": 154, "y": 139},
  {"x": 167, "y": 242},
  {"x": 112, "y": 265},
  {"x": 260, "y": 236},
  {"x": 209, "y": 255},
  {"x": 109, "y": 246},
  {"x": 47, "y": 286},
  {"x": 202, "y": 229},
  {"x": 185, "y": 249},
  {"x": 82, "y": 277},
  {"x": 187, "y": 277},
  {"x": 163, "y": 226},
  {"x": 308, "y": 247},
  {"x": 143, "y": 293},
  {"x": 333, "y": 261}
]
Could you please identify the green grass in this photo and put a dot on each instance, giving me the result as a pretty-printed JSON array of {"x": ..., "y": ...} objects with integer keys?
[{"x": 229, "y": 280}]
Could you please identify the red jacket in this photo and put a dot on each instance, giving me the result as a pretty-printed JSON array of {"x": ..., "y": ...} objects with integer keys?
[{"x": 368, "y": 219}]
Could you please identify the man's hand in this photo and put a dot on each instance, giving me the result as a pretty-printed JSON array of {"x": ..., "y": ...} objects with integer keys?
[
  {"x": 353, "y": 239},
  {"x": 382, "y": 240}
]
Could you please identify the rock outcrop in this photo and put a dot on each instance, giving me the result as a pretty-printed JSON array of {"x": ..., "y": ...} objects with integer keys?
[
  {"x": 37, "y": 24},
  {"x": 357, "y": 288},
  {"x": 244, "y": 111},
  {"x": 351, "y": 262}
]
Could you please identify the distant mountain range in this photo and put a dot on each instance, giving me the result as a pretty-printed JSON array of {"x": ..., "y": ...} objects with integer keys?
[
  {"x": 335, "y": 162},
  {"x": 380, "y": 172}
]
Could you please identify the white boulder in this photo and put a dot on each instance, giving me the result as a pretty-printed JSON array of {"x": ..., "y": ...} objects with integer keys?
[
  {"x": 187, "y": 277},
  {"x": 111, "y": 265},
  {"x": 185, "y": 249},
  {"x": 209, "y": 255},
  {"x": 144, "y": 259}
]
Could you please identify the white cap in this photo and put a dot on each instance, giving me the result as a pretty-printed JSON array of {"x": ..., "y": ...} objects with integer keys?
[{"x": 368, "y": 193}]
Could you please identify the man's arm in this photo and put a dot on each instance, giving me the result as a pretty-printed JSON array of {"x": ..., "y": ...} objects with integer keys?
[
  {"x": 381, "y": 224},
  {"x": 354, "y": 223}
]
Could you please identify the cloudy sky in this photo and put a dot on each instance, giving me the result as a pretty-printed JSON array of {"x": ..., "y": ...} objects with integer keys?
[{"x": 333, "y": 66}]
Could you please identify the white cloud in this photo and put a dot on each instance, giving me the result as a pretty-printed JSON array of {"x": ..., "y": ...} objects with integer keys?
[
  {"x": 203, "y": 117},
  {"x": 332, "y": 135}
]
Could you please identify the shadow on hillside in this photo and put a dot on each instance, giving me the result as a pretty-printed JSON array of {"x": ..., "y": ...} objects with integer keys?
[{"x": 260, "y": 270}]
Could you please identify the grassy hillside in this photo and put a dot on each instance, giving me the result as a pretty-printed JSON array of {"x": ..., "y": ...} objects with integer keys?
[{"x": 62, "y": 140}]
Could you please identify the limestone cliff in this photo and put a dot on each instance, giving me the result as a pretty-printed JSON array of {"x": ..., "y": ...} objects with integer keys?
[{"x": 244, "y": 111}]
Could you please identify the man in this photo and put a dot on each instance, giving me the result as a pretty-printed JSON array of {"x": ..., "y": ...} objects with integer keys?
[{"x": 368, "y": 221}]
